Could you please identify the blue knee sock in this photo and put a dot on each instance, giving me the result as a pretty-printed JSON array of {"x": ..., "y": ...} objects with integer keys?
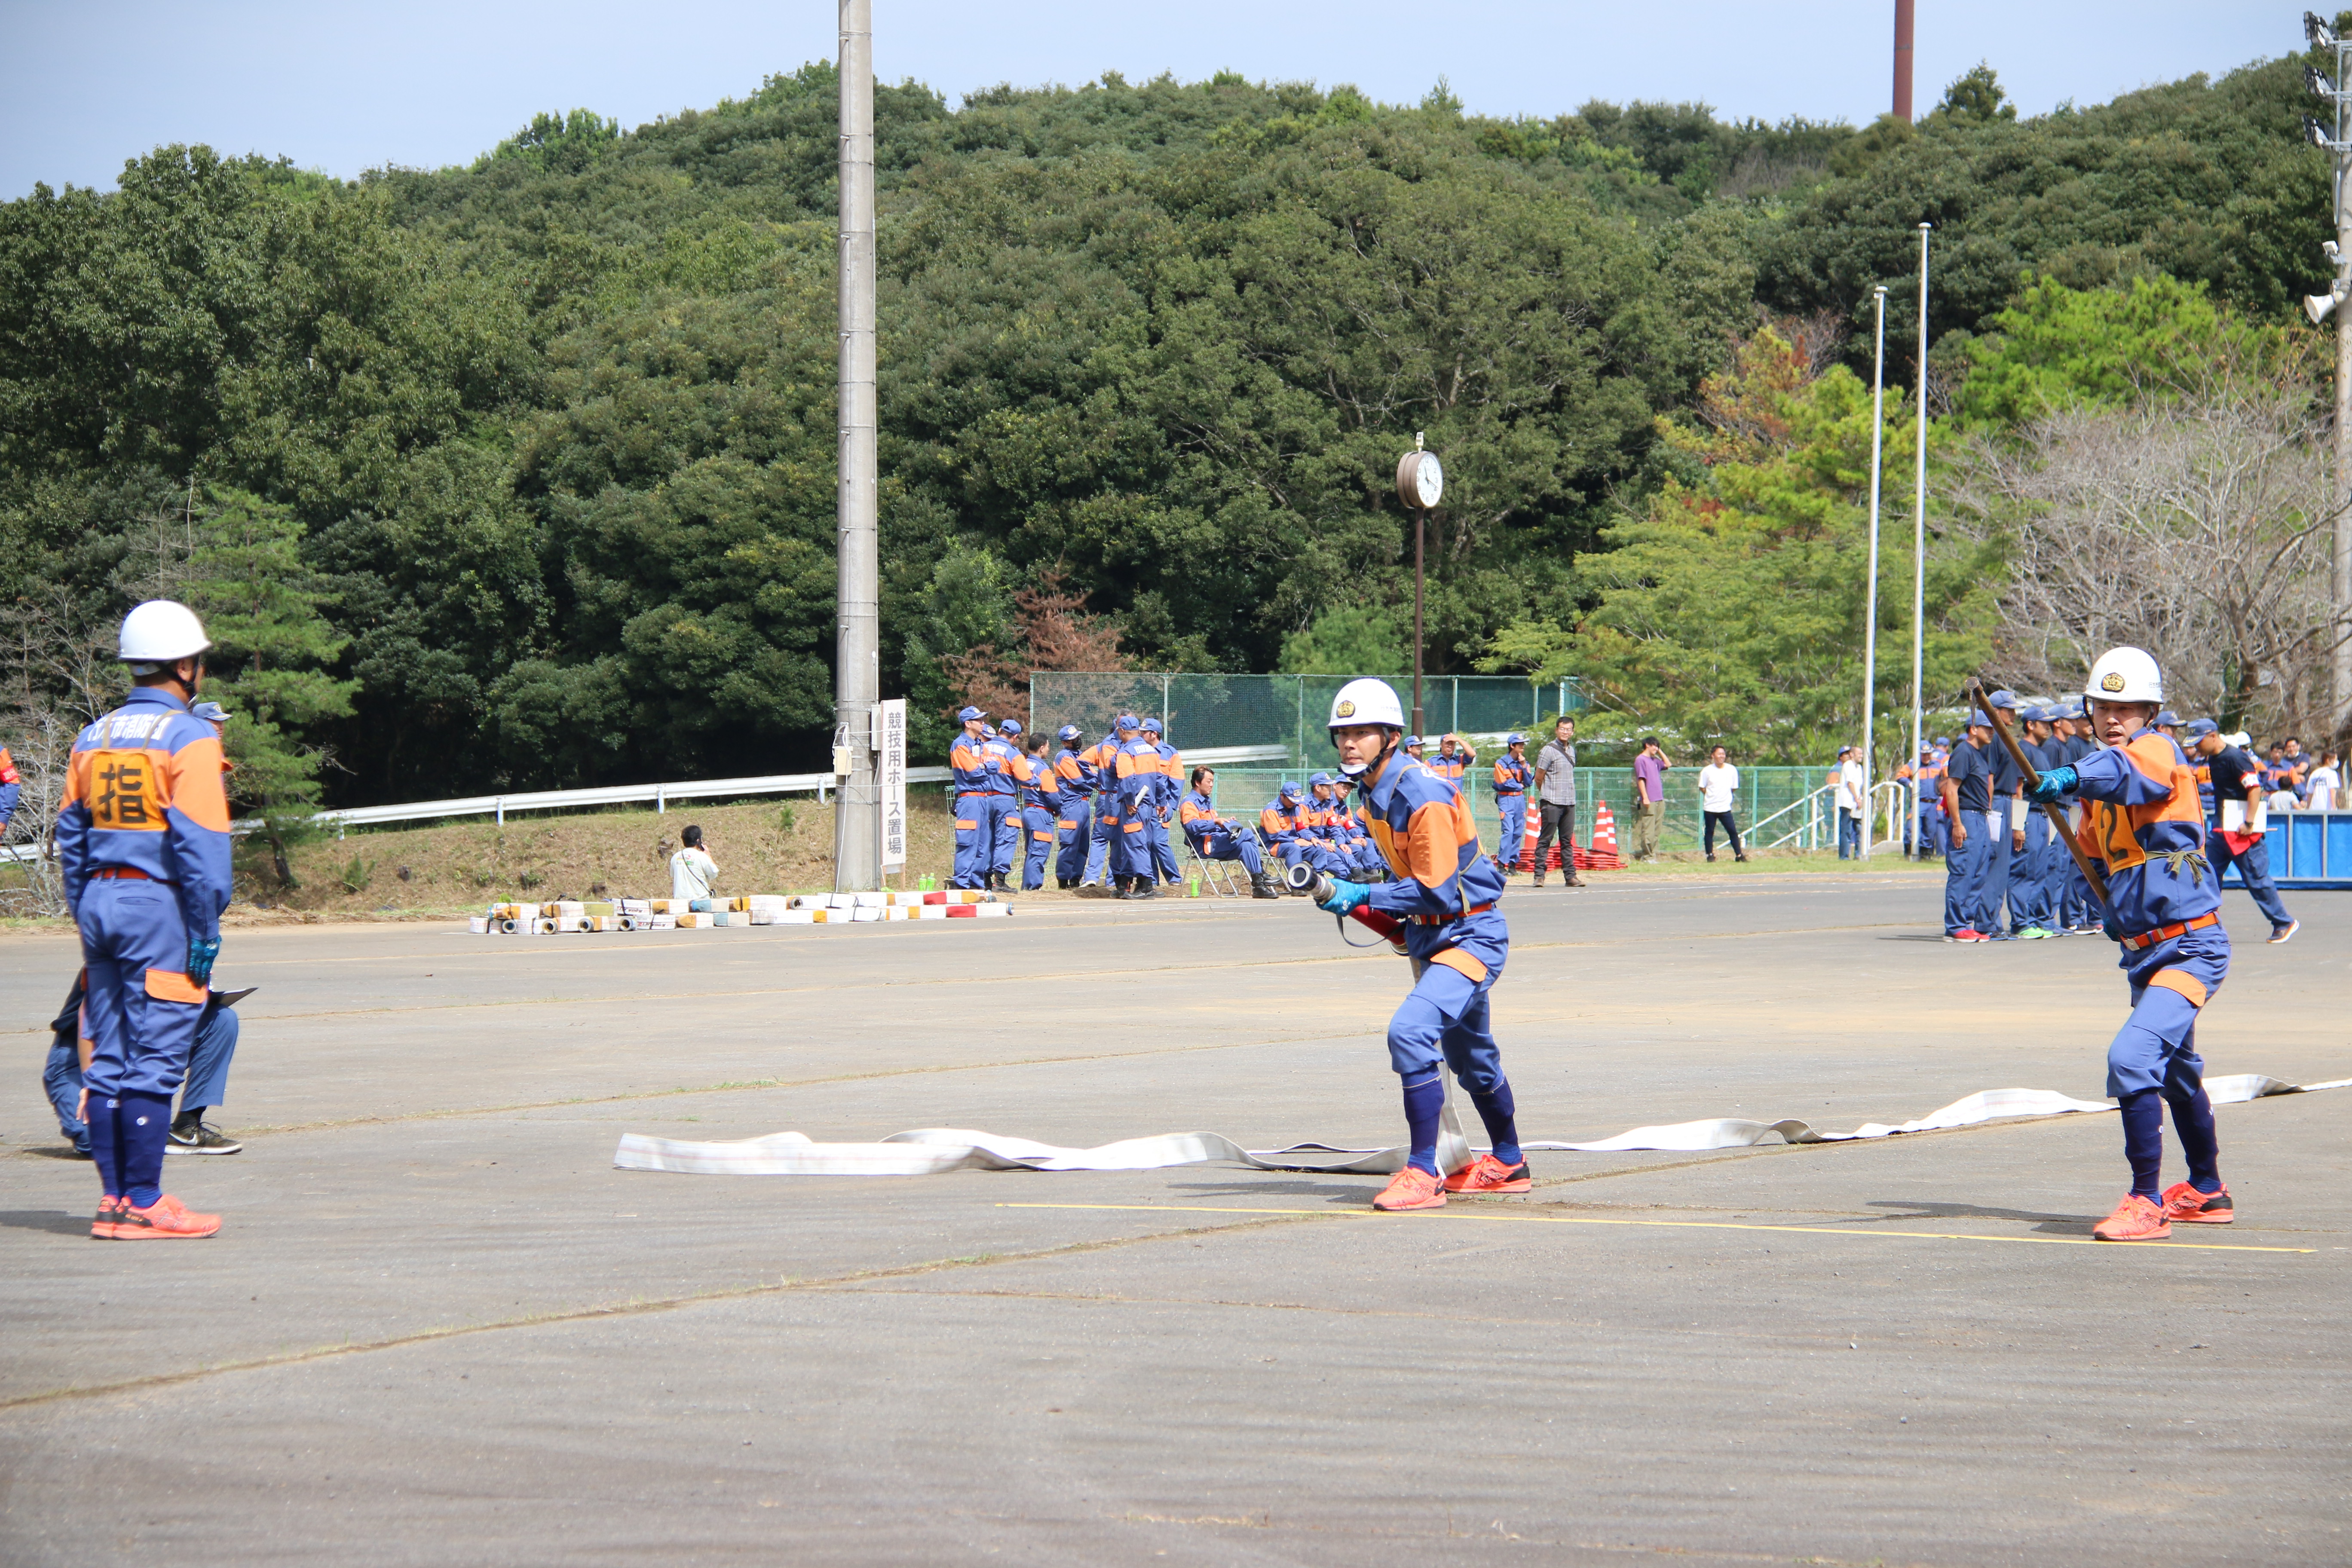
[
  {"x": 2144, "y": 1139},
  {"x": 146, "y": 1119},
  {"x": 1425, "y": 1102},
  {"x": 2193, "y": 1119},
  {"x": 104, "y": 1143},
  {"x": 1498, "y": 1111}
]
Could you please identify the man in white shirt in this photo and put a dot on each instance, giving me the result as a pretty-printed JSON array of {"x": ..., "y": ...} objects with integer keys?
[
  {"x": 692, "y": 871},
  {"x": 1718, "y": 787},
  {"x": 1850, "y": 794},
  {"x": 2327, "y": 782}
]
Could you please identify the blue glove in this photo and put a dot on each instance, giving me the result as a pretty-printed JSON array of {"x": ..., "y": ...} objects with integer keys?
[
  {"x": 2050, "y": 786},
  {"x": 202, "y": 951},
  {"x": 1345, "y": 896},
  {"x": 2115, "y": 931}
]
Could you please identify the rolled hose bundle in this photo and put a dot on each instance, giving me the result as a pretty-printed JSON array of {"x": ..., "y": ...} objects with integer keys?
[{"x": 1306, "y": 879}]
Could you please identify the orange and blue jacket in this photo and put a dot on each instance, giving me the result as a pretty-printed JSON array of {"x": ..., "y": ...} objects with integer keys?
[
  {"x": 1041, "y": 787},
  {"x": 1074, "y": 779},
  {"x": 143, "y": 792},
  {"x": 1450, "y": 769},
  {"x": 972, "y": 764},
  {"x": 1138, "y": 774},
  {"x": 12, "y": 785},
  {"x": 1444, "y": 889},
  {"x": 1198, "y": 816},
  {"x": 1101, "y": 760},
  {"x": 1171, "y": 764},
  {"x": 1282, "y": 824},
  {"x": 1512, "y": 774},
  {"x": 1006, "y": 778},
  {"x": 2144, "y": 823}
]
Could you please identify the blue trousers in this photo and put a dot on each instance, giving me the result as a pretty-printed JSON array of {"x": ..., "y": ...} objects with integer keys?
[
  {"x": 1964, "y": 875},
  {"x": 1445, "y": 1018},
  {"x": 206, "y": 1085},
  {"x": 1004, "y": 848},
  {"x": 1163, "y": 853},
  {"x": 1302, "y": 850},
  {"x": 134, "y": 946},
  {"x": 1513, "y": 810},
  {"x": 1225, "y": 844},
  {"x": 2156, "y": 1046},
  {"x": 1849, "y": 834},
  {"x": 2254, "y": 865},
  {"x": 1104, "y": 830},
  {"x": 1932, "y": 837},
  {"x": 1037, "y": 828},
  {"x": 1070, "y": 863},
  {"x": 1999, "y": 869},
  {"x": 975, "y": 839},
  {"x": 2028, "y": 882}
]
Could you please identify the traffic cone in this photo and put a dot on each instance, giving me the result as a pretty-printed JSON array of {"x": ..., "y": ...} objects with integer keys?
[
  {"x": 1602, "y": 856},
  {"x": 1527, "y": 843}
]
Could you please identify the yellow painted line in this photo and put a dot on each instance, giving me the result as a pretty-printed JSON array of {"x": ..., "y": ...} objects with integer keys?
[{"x": 1671, "y": 1225}]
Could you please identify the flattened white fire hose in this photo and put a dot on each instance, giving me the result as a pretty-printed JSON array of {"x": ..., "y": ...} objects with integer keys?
[{"x": 930, "y": 1150}]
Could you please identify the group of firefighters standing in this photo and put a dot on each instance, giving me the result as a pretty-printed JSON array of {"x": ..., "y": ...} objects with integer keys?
[{"x": 1101, "y": 814}]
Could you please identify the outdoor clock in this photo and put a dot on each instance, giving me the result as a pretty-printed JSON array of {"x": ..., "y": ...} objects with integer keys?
[{"x": 1420, "y": 479}]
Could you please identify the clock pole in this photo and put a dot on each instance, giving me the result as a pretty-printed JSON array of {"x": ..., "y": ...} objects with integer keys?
[
  {"x": 1419, "y": 481},
  {"x": 1419, "y": 537}
]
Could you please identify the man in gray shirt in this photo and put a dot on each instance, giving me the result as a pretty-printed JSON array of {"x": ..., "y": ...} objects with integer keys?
[{"x": 1556, "y": 790}]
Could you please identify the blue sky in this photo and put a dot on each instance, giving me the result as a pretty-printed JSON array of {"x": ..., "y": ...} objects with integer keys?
[{"x": 424, "y": 83}]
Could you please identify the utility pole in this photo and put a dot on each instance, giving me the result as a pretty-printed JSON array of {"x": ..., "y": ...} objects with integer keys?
[
  {"x": 858, "y": 654},
  {"x": 1870, "y": 618},
  {"x": 1906, "y": 26},
  {"x": 2337, "y": 94},
  {"x": 1919, "y": 526}
]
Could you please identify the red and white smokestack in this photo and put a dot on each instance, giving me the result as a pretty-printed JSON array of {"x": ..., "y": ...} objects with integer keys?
[{"x": 1904, "y": 19}]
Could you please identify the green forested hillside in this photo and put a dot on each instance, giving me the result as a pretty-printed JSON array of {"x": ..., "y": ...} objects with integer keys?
[{"x": 554, "y": 433}]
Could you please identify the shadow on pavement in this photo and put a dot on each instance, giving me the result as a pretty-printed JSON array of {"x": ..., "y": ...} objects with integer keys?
[
  {"x": 2056, "y": 1223},
  {"x": 54, "y": 1221},
  {"x": 1352, "y": 1196}
]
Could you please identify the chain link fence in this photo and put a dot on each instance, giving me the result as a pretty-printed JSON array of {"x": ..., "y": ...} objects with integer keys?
[{"x": 1207, "y": 711}]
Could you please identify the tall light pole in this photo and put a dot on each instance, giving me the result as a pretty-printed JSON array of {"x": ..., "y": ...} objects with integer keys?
[
  {"x": 858, "y": 654},
  {"x": 1870, "y": 621},
  {"x": 2319, "y": 36},
  {"x": 1919, "y": 518}
]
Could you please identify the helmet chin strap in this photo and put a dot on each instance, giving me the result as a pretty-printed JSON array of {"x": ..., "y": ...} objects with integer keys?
[{"x": 1358, "y": 770}]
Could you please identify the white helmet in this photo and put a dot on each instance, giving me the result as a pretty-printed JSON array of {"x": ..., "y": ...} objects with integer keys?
[
  {"x": 1366, "y": 702},
  {"x": 162, "y": 631},
  {"x": 2125, "y": 675}
]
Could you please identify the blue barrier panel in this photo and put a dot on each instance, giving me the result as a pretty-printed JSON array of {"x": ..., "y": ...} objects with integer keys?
[{"x": 2307, "y": 849}]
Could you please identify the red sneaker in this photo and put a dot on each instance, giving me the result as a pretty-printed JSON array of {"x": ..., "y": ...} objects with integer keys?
[
  {"x": 1966, "y": 933},
  {"x": 1410, "y": 1188},
  {"x": 2135, "y": 1219},
  {"x": 1488, "y": 1175},
  {"x": 2184, "y": 1204},
  {"x": 102, "y": 1227},
  {"x": 167, "y": 1219}
]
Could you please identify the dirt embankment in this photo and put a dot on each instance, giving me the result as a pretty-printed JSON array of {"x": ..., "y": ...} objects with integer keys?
[{"x": 764, "y": 847}]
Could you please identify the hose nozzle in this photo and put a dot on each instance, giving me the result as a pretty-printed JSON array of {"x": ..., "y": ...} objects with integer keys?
[{"x": 1305, "y": 879}]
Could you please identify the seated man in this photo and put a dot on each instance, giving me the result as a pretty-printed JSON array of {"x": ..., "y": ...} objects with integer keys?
[
  {"x": 1287, "y": 827},
  {"x": 1215, "y": 838},
  {"x": 1339, "y": 831},
  {"x": 205, "y": 1086}
]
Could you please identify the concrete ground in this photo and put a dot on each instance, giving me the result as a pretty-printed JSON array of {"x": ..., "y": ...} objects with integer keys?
[{"x": 465, "y": 1337}]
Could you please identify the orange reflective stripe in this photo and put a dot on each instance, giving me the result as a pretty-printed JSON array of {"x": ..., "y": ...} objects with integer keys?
[
  {"x": 2178, "y": 980},
  {"x": 165, "y": 985},
  {"x": 963, "y": 826},
  {"x": 1455, "y": 958}
]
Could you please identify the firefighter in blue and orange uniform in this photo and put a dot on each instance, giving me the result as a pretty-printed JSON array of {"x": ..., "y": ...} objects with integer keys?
[
  {"x": 1076, "y": 779},
  {"x": 2225, "y": 774},
  {"x": 1285, "y": 827},
  {"x": 1445, "y": 892},
  {"x": 2077, "y": 910},
  {"x": 1453, "y": 761},
  {"x": 2143, "y": 824},
  {"x": 143, "y": 845},
  {"x": 975, "y": 821},
  {"x": 1004, "y": 744},
  {"x": 1171, "y": 790},
  {"x": 1336, "y": 828},
  {"x": 1215, "y": 838},
  {"x": 1040, "y": 805},
  {"x": 1137, "y": 778},
  {"x": 1513, "y": 773},
  {"x": 1105, "y": 853},
  {"x": 12, "y": 785}
]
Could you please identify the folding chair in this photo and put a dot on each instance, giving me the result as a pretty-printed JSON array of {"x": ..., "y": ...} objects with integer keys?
[{"x": 1230, "y": 887}]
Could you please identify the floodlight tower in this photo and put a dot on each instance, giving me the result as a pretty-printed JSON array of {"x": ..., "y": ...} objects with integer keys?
[{"x": 2336, "y": 139}]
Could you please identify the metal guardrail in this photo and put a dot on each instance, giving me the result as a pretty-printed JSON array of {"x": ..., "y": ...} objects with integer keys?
[{"x": 660, "y": 795}]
